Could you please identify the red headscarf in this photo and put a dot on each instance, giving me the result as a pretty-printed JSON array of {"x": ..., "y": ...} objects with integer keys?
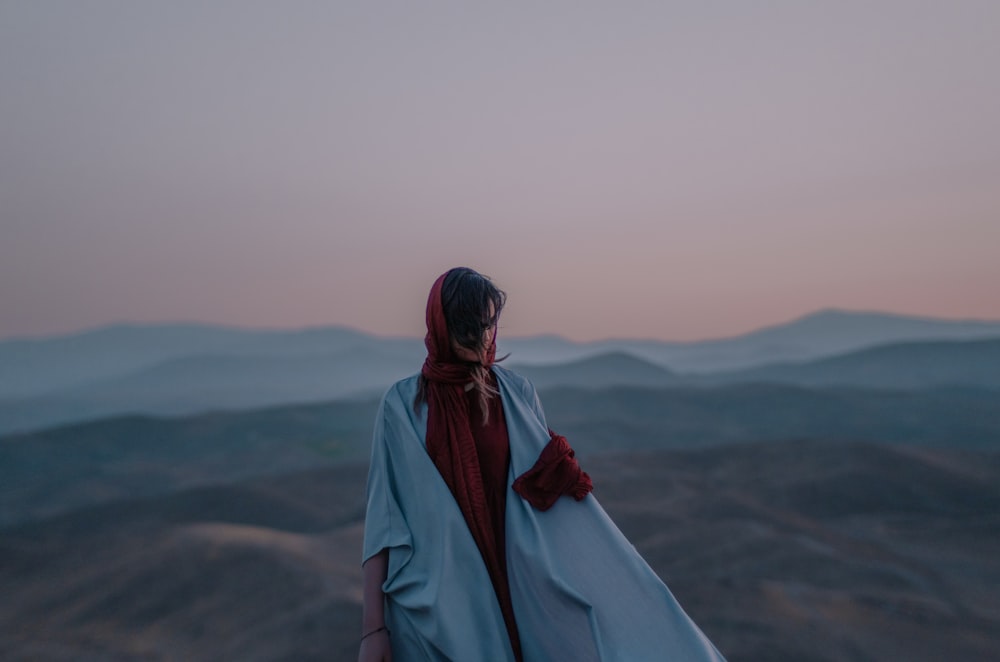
[
  {"x": 452, "y": 447},
  {"x": 449, "y": 432}
]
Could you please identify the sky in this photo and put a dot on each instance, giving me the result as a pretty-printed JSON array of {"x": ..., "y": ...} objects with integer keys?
[{"x": 669, "y": 170}]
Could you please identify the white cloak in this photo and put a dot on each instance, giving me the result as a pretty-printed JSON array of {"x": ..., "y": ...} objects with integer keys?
[{"x": 579, "y": 588}]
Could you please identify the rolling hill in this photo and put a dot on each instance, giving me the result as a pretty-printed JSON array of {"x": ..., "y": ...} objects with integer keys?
[
  {"x": 779, "y": 551},
  {"x": 38, "y": 366},
  {"x": 191, "y": 384},
  {"x": 59, "y": 469},
  {"x": 817, "y": 335},
  {"x": 638, "y": 418},
  {"x": 596, "y": 372},
  {"x": 63, "y": 468},
  {"x": 910, "y": 365}
]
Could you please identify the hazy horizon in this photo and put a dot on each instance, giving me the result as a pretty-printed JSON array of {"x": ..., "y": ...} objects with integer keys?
[
  {"x": 673, "y": 171},
  {"x": 350, "y": 327}
]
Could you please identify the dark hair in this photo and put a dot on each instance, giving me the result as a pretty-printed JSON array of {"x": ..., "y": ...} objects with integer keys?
[{"x": 466, "y": 299}]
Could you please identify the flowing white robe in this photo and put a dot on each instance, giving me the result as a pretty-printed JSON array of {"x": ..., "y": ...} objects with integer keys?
[{"x": 579, "y": 588}]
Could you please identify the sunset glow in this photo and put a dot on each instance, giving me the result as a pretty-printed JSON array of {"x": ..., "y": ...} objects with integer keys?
[{"x": 672, "y": 171}]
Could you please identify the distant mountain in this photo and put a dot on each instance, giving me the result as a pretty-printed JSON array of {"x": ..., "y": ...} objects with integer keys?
[
  {"x": 45, "y": 365},
  {"x": 791, "y": 550},
  {"x": 973, "y": 363},
  {"x": 545, "y": 349},
  {"x": 196, "y": 383},
  {"x": 32, "y": 366},
  {"x": 185, "y": 368},
  {"x": 822, "y": 334},
  {"x": 600, "y": 371}
]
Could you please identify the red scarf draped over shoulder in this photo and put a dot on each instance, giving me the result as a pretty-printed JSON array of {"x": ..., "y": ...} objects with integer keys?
[
  {"x": 449, "y": 430},
  {"x": 452, "y": 448}
]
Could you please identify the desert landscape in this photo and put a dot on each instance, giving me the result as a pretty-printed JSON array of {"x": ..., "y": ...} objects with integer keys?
[
  {"x": 843, "y": 505},
  {"x": 792, "y": 550}
]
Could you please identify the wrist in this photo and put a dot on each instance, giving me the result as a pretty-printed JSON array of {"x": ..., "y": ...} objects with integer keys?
[{"x": 375, "y": 632}]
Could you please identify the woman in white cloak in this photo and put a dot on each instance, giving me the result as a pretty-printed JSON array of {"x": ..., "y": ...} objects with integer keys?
[{"x": 578, "y": 588}]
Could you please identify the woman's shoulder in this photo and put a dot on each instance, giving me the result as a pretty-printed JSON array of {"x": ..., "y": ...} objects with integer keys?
[
  {"x": 403, "y": 390},
  {"x": 397, "y": 400}
]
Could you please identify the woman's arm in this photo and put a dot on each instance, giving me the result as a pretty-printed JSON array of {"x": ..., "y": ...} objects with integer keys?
[{"x": 374, "y": 647}]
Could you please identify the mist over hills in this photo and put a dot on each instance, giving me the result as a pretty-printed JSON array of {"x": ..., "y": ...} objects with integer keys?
[
  {"x": 824, "y": 333},
  {"x": 63, "y": 468},
  {"x": 598, "y": 371},
  {"x": 944, "y": 393},
  {"x": 199, "y": 383},
  {"x": 779, "y": 551},
  {"x": 902, "y": 365},
  {"x": 30, "y": 366},
  {"x": 180, "y": 369}
]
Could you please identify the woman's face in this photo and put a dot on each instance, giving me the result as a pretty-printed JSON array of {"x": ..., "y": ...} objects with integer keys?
[{"x": 472, "y": 356}]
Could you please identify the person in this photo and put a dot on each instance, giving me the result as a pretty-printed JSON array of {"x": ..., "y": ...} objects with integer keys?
[{"x": 482, "y": 539}]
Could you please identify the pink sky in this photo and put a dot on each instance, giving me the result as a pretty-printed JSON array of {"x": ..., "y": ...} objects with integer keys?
[{"x": 667, "y": 170}]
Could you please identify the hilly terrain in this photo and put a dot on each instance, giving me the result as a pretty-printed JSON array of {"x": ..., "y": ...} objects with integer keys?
[
  {"x": 797, "y": 550},
  {"x": 188, "y": 368},
  {"x": 817, "y": 335},
  {"x": 825, "y": 489},
  {"x": 63, "y": 468},
  {"x": 194, "y": 384},
  {"x": 684, "y": 417},
  {"x": 596, "y": 372},
  {"x": 66, "y": 467},
  {"x": 907, "y": 365},
  {"x": 37, "y": 366}
]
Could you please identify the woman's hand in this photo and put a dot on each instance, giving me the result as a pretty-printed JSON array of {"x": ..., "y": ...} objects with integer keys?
[{"x": 376, "y": 648}]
